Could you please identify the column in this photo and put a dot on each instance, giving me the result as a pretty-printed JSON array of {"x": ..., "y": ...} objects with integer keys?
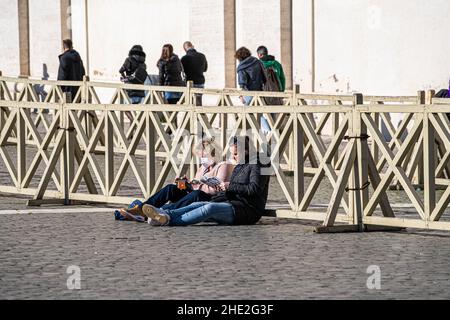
[
  {"x": 24, "y": 37},
  {"x": 286, "y": 41},
  {"x": 229, "y": 8}
]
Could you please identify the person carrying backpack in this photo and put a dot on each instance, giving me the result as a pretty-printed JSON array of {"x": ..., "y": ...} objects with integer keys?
[
  {"x": 276, "y": 81},
  {"x": 274, "y": 66},
  {"x": 134, "y": 71}
]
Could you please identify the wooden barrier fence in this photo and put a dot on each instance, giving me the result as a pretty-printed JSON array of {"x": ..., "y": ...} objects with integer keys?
[{"x": 98, "y": 147}]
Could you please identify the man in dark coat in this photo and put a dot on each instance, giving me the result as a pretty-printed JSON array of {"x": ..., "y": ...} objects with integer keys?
[
  {"x": 194, "y": 65},
  {"x": 70, "y": 67}
]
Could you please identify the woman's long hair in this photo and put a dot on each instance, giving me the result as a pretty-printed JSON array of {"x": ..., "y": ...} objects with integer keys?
[{"x": 167, "y": 52}]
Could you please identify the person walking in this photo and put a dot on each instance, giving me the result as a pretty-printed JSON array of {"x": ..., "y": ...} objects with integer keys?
[
  {"x": 194, "y": 65},
  {"x": 276, "y": 82},
  {"x": 71, "y": 68},
  {"x": 269, "y": 62},
  {"x": 134, "y": 71},
  {"x": 170, "y": 73},
  {"x": 250, "y": 71}
]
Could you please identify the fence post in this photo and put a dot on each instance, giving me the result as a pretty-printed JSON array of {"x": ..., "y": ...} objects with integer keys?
[
  {"x": 2, "y": 112},
  {"x": 361, "y": 170},
  {"x": 192, "y": 125},
  {"x": 421, "y": 100},
  {"x": 150, "y": 132},
  {"x": 296, "y": 154},
  {"x": 292, "y": 143},
  {"x": 68, "y": 153},
  {"x": 21, "y": 143},
  {"x": 429, "y": 158},
  {"x": 109, "y": 152},
  {"x": 88, "y": 100}
]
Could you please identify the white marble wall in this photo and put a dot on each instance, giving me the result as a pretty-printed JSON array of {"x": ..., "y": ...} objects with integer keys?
[
  {"x": 371, "y": 46},
  {"x": 258, "y": 23},
  {"x": 9, "y": 38},
  {"x": 374, "y": 46},
  {"x": 45, "y": 37},
  {"x": 206, "y": 27}
]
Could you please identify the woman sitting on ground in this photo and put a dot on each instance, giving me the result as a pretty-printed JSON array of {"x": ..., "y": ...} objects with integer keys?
[
  {"x": 241, "y": 202},
  {"x": 179, "y": 195}
]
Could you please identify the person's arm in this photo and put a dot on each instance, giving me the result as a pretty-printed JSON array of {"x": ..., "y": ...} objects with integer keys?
[
  {"x": 125, "y": 67},
  {"x": 206, "y": 64},
  {"x": 183, "y": 62},
  {"x": 242, "y": 79},
  {"x": 83, "y": 70},
  {"x": 62, "y": 74},
  {"x": 252, "y": 188},
  {"x": 162, "y": 72}
]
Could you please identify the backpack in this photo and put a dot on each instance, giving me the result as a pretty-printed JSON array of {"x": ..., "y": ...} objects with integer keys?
[
  {"x": 138, "y": 76},
  {"x": 272, "y": 85}
]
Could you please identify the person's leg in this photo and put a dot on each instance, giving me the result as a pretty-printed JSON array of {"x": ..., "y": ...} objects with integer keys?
[
  {"x": 247, "y": 100},
  {"x": 193, "y": 197},
  {"x": 265, "y": 127},
  {"x": 166, "y": 194},
  {"x": 221, "y": 213},
  {"x": 199, "y": 97},
  {"x": 161, "y": 217}
]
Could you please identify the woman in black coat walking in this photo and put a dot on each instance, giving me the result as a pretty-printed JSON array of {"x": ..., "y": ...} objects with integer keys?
[
  {"x": 134, "y": 71},
  {"x": 170, "y": 73}
]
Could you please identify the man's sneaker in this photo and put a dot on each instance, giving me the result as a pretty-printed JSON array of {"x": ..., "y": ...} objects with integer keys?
[{"x": 156, "y": 217}]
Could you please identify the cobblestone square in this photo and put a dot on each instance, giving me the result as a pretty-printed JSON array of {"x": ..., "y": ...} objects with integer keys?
[{"x": 276, "y": 259}]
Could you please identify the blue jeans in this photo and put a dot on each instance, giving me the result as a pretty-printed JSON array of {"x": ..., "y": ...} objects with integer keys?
[
  {"x": 221, "y": 213},
  {"x": 247, "y": 100},
  {"x": 172, "y": 97},
  {"x": 265, "y": 124},
  {"x": 199, "y": 97}
]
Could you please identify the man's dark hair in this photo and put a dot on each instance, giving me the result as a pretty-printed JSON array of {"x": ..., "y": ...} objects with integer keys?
[
  {"x": 242, "y": 141},
  {"x": 67, "y": 43},
  {"x": 242, "y": 54},
  {"x": 262, "y": 50}
]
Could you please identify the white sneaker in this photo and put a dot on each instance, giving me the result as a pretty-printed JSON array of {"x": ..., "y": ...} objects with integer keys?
[{"x": 156, "y": 217}]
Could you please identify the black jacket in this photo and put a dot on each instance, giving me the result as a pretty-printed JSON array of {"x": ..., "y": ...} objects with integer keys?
[
  {"x": 247, "y": 193},
  {"x": 135, "y": 61},
  {"x": 251, "y": 75},
  {"x": 195, "y": 64},
  {"x": 170, "y": 72},
  {"x": 70, "y": 69}
]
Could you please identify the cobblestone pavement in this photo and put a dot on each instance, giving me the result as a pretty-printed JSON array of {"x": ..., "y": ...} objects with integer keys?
[{"x": 276, "y": 259}]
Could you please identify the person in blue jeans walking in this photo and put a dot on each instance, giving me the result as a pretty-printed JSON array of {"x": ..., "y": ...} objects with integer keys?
[
  {"x": 173, "y": 197},
  {"x": 242, "y": 201}
]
